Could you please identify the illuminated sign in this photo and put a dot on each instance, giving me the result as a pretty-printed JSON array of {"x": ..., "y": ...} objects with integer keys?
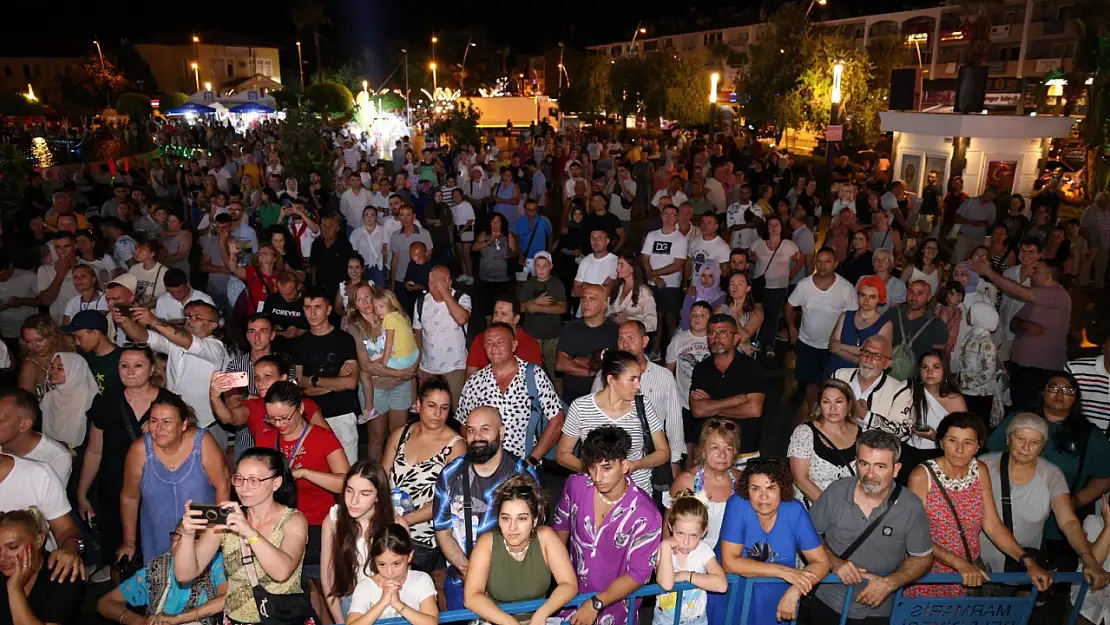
[
  {"x": 917, "y": 38},
  {"x": 953, "y": 35}
]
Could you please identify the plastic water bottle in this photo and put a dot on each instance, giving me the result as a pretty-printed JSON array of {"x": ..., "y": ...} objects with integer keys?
[{"x": 402, "y": 503}]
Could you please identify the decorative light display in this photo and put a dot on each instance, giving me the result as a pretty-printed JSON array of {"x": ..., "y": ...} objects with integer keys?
[
  {"x": 443, "y": 100},
  {"x": 385, "y": 128},
  {"x": 498, "y": 89}
]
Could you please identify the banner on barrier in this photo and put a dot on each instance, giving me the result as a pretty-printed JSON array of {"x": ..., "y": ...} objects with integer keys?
[{"x": 962, "y": 611}]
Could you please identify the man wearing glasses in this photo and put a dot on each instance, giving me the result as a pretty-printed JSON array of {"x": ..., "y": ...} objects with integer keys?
[
  {"x": 882, "y": 402},
  {"x": 193, "y": 353},
  {"x": 729, "y": 385}
]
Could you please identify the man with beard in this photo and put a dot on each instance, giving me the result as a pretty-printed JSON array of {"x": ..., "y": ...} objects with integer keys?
[
  {"x": 463, "y": 507},
  {"x": 729, "y": 384},
  {"x": 882, "y": 402},
  {"x": 893, "y": 556}
]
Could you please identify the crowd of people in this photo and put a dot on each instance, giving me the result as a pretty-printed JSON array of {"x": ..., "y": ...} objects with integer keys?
[{"x": 468, "y": 376}]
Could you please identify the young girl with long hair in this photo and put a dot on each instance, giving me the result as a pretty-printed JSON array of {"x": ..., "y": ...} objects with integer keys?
[
  {"x": 740, "y": 305},
  {"x": 684, "y": 557},
  {"x": 396, "y": 589}
]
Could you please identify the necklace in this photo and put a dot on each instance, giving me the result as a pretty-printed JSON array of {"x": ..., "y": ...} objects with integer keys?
[
  {"x": 606, "y": 500},
  {"x": 517, "y": 555}
]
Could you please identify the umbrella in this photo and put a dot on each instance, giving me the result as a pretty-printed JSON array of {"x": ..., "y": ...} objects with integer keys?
[
  {"x": 251, "y": 107},
  {"x": 191, "y": 107}
]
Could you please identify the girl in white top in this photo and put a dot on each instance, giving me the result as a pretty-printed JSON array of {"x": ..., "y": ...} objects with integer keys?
[
  {"x": 395, "y": 590},
  {"x": 933, "y": 399},
  {"x": 149, "y": 273},
  {"x": 88, "y": 296},
  {"x": 684, "y": 557},
  {"x": 347, "y": 532},
  {"x": 632, "y": 298},
  {"x": 925, "y": 266},
  {"x": 462, "y": 214}
]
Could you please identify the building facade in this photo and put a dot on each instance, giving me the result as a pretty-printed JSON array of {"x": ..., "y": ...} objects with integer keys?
[
  {"x": 1029, "y": 39},
  {"x": 222, "y": 61},
  {"x": 42, "y": 74}
]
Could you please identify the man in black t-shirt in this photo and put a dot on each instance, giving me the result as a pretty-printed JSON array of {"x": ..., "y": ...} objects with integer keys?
[
  {"x": 729, "y": 384},
  {"x": 329, "y": 257},
  {"x": 327, "y": 368},
  {"x": 285, "y": 309},
  {"x": 581, "y": 343},
  {"x": 599, "y": 218}
]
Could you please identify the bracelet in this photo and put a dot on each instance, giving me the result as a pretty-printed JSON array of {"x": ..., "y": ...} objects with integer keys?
[
  {"x": 121, "y": 615},
  {"x": 254, "y": 539}
]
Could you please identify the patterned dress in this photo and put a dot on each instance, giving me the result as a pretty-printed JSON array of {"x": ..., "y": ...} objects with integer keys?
[
  {"x": 967, "y": 497},
  {"x": 419, "y": 481}
]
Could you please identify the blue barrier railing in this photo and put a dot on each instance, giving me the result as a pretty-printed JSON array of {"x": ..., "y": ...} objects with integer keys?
[{"x": 1016, "y": 610}]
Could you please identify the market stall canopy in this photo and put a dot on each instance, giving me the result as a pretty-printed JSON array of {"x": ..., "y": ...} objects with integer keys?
[
  {"x": 191, "y": 107},
  {"x": 251, "y": 107}
]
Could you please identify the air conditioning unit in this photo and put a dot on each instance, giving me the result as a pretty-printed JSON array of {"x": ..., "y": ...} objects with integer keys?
[{"x": 1000, "y": 32}]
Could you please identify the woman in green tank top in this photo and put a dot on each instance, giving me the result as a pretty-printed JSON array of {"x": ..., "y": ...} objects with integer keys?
[{"x": 517, "y": 560}]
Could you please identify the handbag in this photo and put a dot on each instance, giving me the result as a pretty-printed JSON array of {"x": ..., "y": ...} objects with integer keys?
[
  {"x": 275, "y": 609},
  {"x": 985, "y": 590},
  {"x": 1012, "y": 565},
  {"x": 759, "y": 283},
  {"x": 661, "y": 476}
]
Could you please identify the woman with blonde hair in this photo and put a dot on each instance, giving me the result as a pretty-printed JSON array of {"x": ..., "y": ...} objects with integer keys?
[
  {"x": 822, "y": 450},
  {"x": 712, "y": 480},
  {"x": 42, "y": 340},
  {"x": 32, "y": 596}
]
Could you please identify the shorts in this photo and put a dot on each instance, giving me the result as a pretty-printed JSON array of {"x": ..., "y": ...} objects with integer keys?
[
  {"x": 809, "y": 364},
  {"x": 464, "y": 236},
  {"x": 668, "y": 299},
  {"x": 427, "y": 559},
  {"x": 397, "y": 398}
]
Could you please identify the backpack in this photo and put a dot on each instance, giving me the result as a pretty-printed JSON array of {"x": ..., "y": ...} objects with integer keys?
[{"x": 903, "y": 362}]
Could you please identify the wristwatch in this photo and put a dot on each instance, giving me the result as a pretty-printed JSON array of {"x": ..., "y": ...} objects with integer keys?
[
  {"x": 1022, "y": 560},
  {"x": 597, "y": 603},
  {"x": 533, "y": 462},
  {"x": 79, "y": 543}
]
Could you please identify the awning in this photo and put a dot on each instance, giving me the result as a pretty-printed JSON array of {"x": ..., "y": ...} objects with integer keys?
[
  {"x": 251, "y": 107},
  {"x": 258, "y": 81},
  {"x": 191, "y": 107}
]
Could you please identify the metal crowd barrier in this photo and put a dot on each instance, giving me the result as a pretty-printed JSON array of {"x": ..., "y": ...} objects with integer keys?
[{"x": 907, "y": 610}]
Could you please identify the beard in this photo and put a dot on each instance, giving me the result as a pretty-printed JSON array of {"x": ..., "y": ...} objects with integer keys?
[
  {"x": 871, "y": 487},
  {"x": 482, "y": 451}
]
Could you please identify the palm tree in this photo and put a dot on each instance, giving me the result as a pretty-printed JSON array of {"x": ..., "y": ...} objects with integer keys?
[{"x": 312, "y": 14}]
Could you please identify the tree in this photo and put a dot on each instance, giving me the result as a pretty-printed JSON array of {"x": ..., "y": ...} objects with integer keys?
[
  {"x": 133, "y": 66},
  {"x": 134, "y": 105},
  {"x": 14, "y": 172},
  {"x": 347, "y": 75},
  {"x": 91, "y": 80},
  {"x": 303, "y": 149},
  {"x": 461, "y": 124},
  {"x": 329, "y": 98},
  {"x": 589, "y": 93},
  {"x": 979, "y": 28},
  {"x": 312, "y": 14},
  {"x": 685, "y": 93},
  {"x": 777, "y": 63},
  {"x": 286, "y": 98},
  {"x": 172, "y": 100},
  {"x": 1092, "y": 60}
]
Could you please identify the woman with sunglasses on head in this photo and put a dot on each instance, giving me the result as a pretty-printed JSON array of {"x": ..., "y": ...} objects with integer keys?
[
  {"x": 763, "y": 531},
  {"x": 264, "y": 528},
  {"x": 1077, "y": 447},
  {"x": 823, "y": 450},
  {"x": 713, "y": 479},
  {"x": 166, "y": 601},
  {"x": 315, "y": 457},
  {"x": 173, "y": 462}
]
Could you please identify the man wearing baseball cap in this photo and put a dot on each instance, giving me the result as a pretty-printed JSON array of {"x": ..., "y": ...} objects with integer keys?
[
  {"x": 121, "y": 296},
  {"x": 90, "y": 329},
  {"x": 543, "y": 298}
]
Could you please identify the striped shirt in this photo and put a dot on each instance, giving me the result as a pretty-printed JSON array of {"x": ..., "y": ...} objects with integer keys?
[
  {"x": 1094, "y": 385},
  {"x": 658, "y": 384},
  {"x": 585, "y": 416}
]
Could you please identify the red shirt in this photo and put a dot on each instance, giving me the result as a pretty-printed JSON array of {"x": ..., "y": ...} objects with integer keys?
[
  {"x": 260, "y": 285},
  {"x": 527, "y": 348},
  {"x": 314, "y": 502},
  {"x": 256, "y": 415}
]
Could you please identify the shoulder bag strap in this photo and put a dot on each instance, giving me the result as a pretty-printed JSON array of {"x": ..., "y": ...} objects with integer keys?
[
  {"x": 773, "y": 254},
  {"x": 901, "y": 317},
  {"x": 952, "y": 507},
  {"x": 649, "y": 445},
  {"x": 1004, "y": 474},
  {"x": 825, "y": 439},
  {"x": 923, "y": 327},
  {"x": 247, "y": 557},
  {"x": 870, "y": 529},
  {"x": 468, "y": 506}
]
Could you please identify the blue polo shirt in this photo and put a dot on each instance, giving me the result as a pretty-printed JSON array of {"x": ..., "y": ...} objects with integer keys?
[{"x": 523, "y": 229}]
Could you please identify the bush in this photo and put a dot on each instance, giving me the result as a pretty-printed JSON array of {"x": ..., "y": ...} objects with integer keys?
[
  {"x": 134, "y": 105},
  {"x": 285, "y": 98},
  {"x": 172, "y": 100},
  {"x": 329, "y": 98}
]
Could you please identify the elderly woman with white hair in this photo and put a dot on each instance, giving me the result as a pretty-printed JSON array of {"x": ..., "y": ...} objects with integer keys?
[
  {"x": 1035, "y": 488},
  {"x": 882, "y": 260}
]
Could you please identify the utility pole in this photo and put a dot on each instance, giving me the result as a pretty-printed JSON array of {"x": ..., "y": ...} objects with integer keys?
[
  {"x": 300, "y": 64},
  {"x": 408, "y": 109}
]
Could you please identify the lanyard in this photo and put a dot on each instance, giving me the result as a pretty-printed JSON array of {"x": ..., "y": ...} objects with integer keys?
[{"x": 296, "y": 447}]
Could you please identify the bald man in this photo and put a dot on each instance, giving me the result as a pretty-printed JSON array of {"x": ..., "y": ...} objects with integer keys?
[
  {"x": 484, "y": 466},
  {"x": 582, "y": 341},
  {"x": 439, "y": 323}
]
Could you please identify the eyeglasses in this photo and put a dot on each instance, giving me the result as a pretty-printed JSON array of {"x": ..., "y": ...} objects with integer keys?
[
  {"x": 718, "y": 424},
  {"x": 288, "y": 417},
  {"x": 725, "y": 333},
  {"x": 1063, "y": 390},
  {"x": 193, "y": 317},
  {"x": 870, "y": 355},
  {"x": 252, "y": 481}
]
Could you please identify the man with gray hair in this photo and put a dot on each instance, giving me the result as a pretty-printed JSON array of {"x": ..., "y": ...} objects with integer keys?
[
  {"x": 874, "y": 531},
  {"x": 1096, "y": 228},
  {"x": 882, "y": 402}
]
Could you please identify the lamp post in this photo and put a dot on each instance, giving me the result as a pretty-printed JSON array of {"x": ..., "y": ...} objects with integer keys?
[
  {"x": 713, "y": 79},
  {"x": 103, "y": 70},
  {"x": 408, "y": 109},
  {"x": 435, "y": 84},
  {"x": 462, "y": 74},
  {"x": 561, "y": 68},
  {"x": 196, "y": 42},
  {"x": 834, "y": 111},
  {"x": 196, "y": 73},
  {"x": 812, "y": 2},
  {"x": 435, "y": 40},
  {"x": 300, "y": 64},
  {"x": 640, "y": 30}
]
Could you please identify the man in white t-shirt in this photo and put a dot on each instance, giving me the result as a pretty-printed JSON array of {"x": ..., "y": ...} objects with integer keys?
[
  {"x": 706, "y": 246},
  {"x": 54, "y": 284},
  {"x": 575, "y": 170},
  {"x": 194, "y": 355},
  {"x": 663, "y": 257},
  {"x": 600, "y": 267},
  {"x": 18, "y": 298},
  {"x": 714, "y": 190},
  {"x": 26, "y": 483},
  {"x": 170, "y": 306},
  {"x": 673, "y": 191},
  {"x": 439, "y": 323},
  {"x": 744, "y": 219},
  {"x": 19, "y": 411},
  {"x": 353, "y": 201},
  {"x": 822, "y": 298}
]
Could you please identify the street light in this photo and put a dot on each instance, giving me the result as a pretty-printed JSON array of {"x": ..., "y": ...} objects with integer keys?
[
  {"x": 196, "y": 73},
  {"x": 103, "y": 70},
  {"x": 365, "y": 86},
  {"x": 812, "y": 2},
  {"x": 435, "y": 83},
  {"x": 435, "y": 40},
  {"x": 713, "y": 79},
  {"x": 834, "y": 111},
  {"x": 408, "y": 109},
  {"x": 640, "y": 30},
  {"x": 207, "y": 86},
  {"x": 462, "y": 74},
  {"x": 300, "y": 64}
]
